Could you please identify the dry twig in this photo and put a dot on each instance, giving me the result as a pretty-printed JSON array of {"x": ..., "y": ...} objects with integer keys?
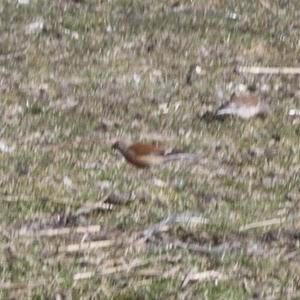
[
  {"x": 87, "y": 246},
  {"x": 61, "y": 231},
  {"x": 269, "y": 70},
  {"x": 254, "y": 225},
  {"x": 19, "y": 285}
]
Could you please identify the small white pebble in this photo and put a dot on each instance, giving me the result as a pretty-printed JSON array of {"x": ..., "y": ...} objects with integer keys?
[
  {"x": 109, "y": 29},
  {"x": 35, "y": 27},
  {"x": 220, "y": 93},
  {"x": 198, "y": 70},
  {"x": 241, "y": 88},
  {"x": 159, "y": 183},
  {"x": 265, "y": 88},
  {"x": 72, "y": 34},
  {"x": 294, "y": 112},
  {"x": 24, "y": 2},
  {"x": 104, "y": 184},
  {"x": 136, "y": 78},
  {"x": 163, "y": 108},
  {"x": 157, "y": 73},
  {"x": 5, "y": 148},
  {"x": 232, "y": 15},
  {"x": 67, "y": 182}
]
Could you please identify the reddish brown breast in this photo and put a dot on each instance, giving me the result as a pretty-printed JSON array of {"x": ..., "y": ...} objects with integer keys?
[
  {"x": 136, "y": 160},
  {"x": 145, "y": 149}
]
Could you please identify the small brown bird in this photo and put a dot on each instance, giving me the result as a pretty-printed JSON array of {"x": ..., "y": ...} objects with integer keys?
[
  {"x": 147, "y": 155},
  {"x": 244, "y": 105}
]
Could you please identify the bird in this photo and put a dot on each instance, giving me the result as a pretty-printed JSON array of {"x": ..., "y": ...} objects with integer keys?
[
  {"x": 148, "y": 155},
  {"x": 244, "y": 105}
]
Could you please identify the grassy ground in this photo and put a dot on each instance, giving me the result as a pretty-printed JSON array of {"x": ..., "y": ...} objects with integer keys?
[{"x": 76, "y": 75}]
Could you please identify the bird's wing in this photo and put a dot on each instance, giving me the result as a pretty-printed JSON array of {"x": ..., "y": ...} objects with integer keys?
[
  {"x": 245, "y": 100},
  {"x": 146, "y": 149},
  {"x": 237, "y": 101}
]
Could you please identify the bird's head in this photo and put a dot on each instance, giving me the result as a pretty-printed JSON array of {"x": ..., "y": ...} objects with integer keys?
[{"x": 121, "y": 146}]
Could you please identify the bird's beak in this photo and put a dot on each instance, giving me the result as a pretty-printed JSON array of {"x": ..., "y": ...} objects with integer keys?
[{"x": 115, "y": 146}]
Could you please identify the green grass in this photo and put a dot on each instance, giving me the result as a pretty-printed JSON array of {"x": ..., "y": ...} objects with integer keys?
[{"x": 106, "y": 70}]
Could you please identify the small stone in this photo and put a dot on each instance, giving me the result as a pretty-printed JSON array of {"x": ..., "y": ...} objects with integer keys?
[
  {"x": 67, "y": 182},
  {"x": 23, "y": 2},
  {"x": 109, "y": 29},
  {"x": 241, "y": 88},
  {"x": 72, "y": 34},
  {"x": 265, "y": 88},
  {"x": 159, "y": 183},
  {"x": 104, "y": 185},
  {"x": 294, "y": 112},
  {"x": 4, "y": 147},
  {"x": 35, "y": 27},
  {"x": 163, "y": 108},
  {"x": 136, "y": 78},
  {"x": 198, "y": 70},
  {"x": 232, "y": 15}
]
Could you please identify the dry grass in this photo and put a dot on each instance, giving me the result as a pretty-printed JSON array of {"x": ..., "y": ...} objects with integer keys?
[{"x": 77, "y": 221}]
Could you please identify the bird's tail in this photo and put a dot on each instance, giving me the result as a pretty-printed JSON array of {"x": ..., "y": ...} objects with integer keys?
[
  {"x": 226, "y": 111},
  {"x": 182, "y": 156}
]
